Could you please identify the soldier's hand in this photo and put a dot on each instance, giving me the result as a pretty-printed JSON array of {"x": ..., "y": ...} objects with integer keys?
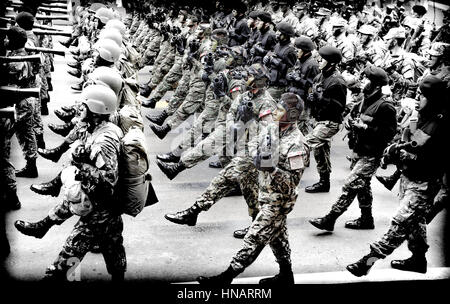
[
  {"x": 407, "y": 156},
  {"x": 267, "y": 59}
]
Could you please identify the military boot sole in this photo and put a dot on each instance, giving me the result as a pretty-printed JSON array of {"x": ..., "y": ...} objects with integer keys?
[
  {"x": 166, "y": 159},
  {"x": 44, "y": 192},
  {"x": 396, "y": 264},
  {"x": 320, "y": 226},
  {"x": 20, "y": 226},
  {"x": 356, "y": 271}
]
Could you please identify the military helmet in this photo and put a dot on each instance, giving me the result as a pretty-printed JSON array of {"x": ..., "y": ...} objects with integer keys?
[
  {"x": 257, "y": 76},
  {"x": 376, "y": 75},
  {"x": 99, "y": 99},
  {"x": 286, "y": 29},
  {"x": 108, "y": 49},
  {"x": 395, "y": 32},
  {"x": 438, "y": 48},
  {"x": 305, "y": 43},
  {"x": 323, "y": 12},
  {"x": 367, "y": 30},
  {"x": 112, "y": 34},
  {"x": 116, "y": 24},
  {"x": 293, "y": 105},
  {"x": 109, "y": 77},
  {"x": 25, "y": 20},
  {"x": 339, "y": 22},
  {"x": 330, "y": 54},
  {"x": 104, "y": 15}
]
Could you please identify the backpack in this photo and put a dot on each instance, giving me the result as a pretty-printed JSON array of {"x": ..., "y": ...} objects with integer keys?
[{"x": 134, "y": 188}]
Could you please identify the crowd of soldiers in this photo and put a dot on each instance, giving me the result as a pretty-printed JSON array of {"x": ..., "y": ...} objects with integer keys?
[{"x": 268, "y": 82}]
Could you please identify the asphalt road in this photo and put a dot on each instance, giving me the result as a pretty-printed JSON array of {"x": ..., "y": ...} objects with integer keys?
[{"x": 160, "y": 250}]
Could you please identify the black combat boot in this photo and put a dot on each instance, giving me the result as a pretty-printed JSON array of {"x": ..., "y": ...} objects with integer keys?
[
  {"x": 40, "y": 141},
  {"x": 158, "y": 118},
  {"x": 67, "y": 108},
  {"x": 12, "y": 201},
  {"x": 30, "y": 169},
  {"x": 416, "y": 263},
  {"x": 75, "y": 72},
  {"x": 65, "y": 116},
  {"x": 150, "y": 103},
  {"x": 161, "y": 132},
  {"x": 216, "y": 164},
  {"x": 389, "y": 181},
  {"x": 240, "y": 233},
  {"x": 75, "y": 52},
  {"x": 327, "y": 222},
  {"x": 44, "y": 106},
  {"x": 52, "y": 187},
  {"x": 285, "y": 277},
  {"x": 49, "y": 83},
  {"x": 363, "y": 266},
  {"x": 66, "y": 43},
  {"x": 185, "y": 217},
  {"x": 54, "y": 154},
  {"x": 168, "y": 157},
  {"x": 364, "y": 222},
  {"x": 75, "y": 65},
  {"x": 77, "y": 86},
  {"x": 38, "y": 229},
  {"x": 225, "y": 278},
  {"x": 62, "y": 130},
  {"x": 322, "y": 186},
  {"x": 169, "y": 169},
  {"x": 145, "y": 90}
]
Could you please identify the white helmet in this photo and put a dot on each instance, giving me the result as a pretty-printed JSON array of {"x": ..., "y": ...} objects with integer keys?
[
  {"x": 108, "y": 49},
  {"x": 99, "y": 99}
]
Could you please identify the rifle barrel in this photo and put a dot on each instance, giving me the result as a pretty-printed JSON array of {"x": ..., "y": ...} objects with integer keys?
[
  {"x": 53, "y": 10},
  {"x": 53, "y": 33},
  {"x": 45, "y": 50},
  {"x": 58, "y": 17},
  {"x": 32, "y": 58}
]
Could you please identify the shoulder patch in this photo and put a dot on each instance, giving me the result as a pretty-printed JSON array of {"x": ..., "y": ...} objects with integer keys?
[
  {"x": 265, "y": 113},
  {"x": 296, "y": 160}
]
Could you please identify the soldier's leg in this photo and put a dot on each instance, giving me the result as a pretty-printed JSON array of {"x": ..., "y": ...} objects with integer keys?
[
  {"x": 113, "y": 251},
  {"x": 168, "y": 82},
  {"x": 263, "y": 230},
  {"x": 179, "y": 95},
  {"x": 24, "y": 128},
  {"x": 193, "y": 102},
  {"x": 7, "y": 172}
]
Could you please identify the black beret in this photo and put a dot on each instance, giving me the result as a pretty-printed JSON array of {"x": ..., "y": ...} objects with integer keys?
[
  {"x": 330, "y": 54},
  {"x": 376, "y": 75},
  {"x": 305, "y": 43},
  {"x": 286, "y": 28},
  {"x": 25, "y": 20},
  {"x": 17, "y": 35},
  {"x": 432, "y": 85},
  {"x": 265, "y": 17}
]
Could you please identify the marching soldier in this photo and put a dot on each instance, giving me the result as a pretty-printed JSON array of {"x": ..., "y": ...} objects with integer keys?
[
  {"x": 327, "y": 99},
  {"x": 374, "y": 126},
  {"x": 423, "y": 159}
]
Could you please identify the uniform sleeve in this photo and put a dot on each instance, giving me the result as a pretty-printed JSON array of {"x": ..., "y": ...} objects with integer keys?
[{"x": 290, "y": 172}]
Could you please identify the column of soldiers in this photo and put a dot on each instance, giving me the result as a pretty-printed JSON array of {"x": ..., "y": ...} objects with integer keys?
[{"x": 267, "y": 83}]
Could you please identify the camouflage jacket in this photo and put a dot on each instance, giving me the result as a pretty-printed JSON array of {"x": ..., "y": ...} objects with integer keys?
[
  {"x": 21, "y": 74},
  {"x": 280, "y": 186}
]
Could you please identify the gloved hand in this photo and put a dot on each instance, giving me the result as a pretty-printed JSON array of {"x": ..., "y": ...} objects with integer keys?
[
  {"x": 290, "y": 76},
  {"x": 263, "y": 162},
  {"x": 252, "y": 51},
  {"x": 205, "y": 77},
  {"x": 359, "y": 124},
  {"x": 407, "y": 156},
  {"x": 267, "y": 59}
]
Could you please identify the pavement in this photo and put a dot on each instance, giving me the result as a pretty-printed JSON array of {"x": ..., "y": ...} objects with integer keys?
[{"x": 160, "y": 250}]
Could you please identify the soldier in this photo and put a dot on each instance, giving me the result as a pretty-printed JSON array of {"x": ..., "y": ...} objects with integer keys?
[
  {"x": 23, "y": 75},
  {"x": 341, "y": 41},
  {"x": 423, "y": 164},
  {"x": 266, "y": 40},
  {"x": 370, "y": 50},
  {"x": 280, "y": 60},
  {"x": 301, "y": 78},
  {"x": 373, "y": 127},
  {"x": 277, "y": 193},
  {"x": 327, "y": 99},
  {"x": 240, "y": 31},
  {"x": 98, "y": 175},
  {"x": 241, "y": 169}
]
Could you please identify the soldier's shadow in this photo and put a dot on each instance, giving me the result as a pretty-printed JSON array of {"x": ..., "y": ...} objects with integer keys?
[{"x": 325, "y": 233}]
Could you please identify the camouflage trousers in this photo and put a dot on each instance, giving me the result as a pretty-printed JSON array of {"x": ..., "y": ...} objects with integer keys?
[
  {"x": 152, "y": 50},
  {"x": 416, "y": 199},
  {"x": 87, "y": 234},
  {"x": 28, "y": 124},
  {"x": 320, "y": 141},
  {"x": 269, "y": 227},
  {"x": 357, "y": 185},
  {"x": 7, "y": 172},
  {"x": 161, "y": 70},
  {"x": 194, "y": 102},
  {"x": 170, "y": 80},
  {"x": 240, "y": 170},
  {"x": 162, "y": 54}
]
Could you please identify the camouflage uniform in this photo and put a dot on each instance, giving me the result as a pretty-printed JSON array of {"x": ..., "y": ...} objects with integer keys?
[
  {"x": 241, "y": 169},
  {"x": 277, "y": 196},
  {"x": 22, "y": 74},
  {"x": 102, "y": 227},
  {"x": 170, "y": 79},
  {"x": 161, "y": 68},
  {"x": 7, "y": 174}
]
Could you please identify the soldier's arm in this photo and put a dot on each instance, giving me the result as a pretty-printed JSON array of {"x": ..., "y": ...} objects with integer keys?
[{"x": 289, "y": 174}]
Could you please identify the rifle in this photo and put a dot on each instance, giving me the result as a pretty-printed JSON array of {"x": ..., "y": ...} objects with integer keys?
[
  {"x": 391, "y": 154},
  {"x": 244, "y": 114},
  {"x": 52, "y": 33},
  {"x": 45, "y": 50},
  {"x": 53, "y": 10},
  {"x": 12, "y": 95},
  {"x": 58, "y": 17},
  {"x": 31, "y": 58}
]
